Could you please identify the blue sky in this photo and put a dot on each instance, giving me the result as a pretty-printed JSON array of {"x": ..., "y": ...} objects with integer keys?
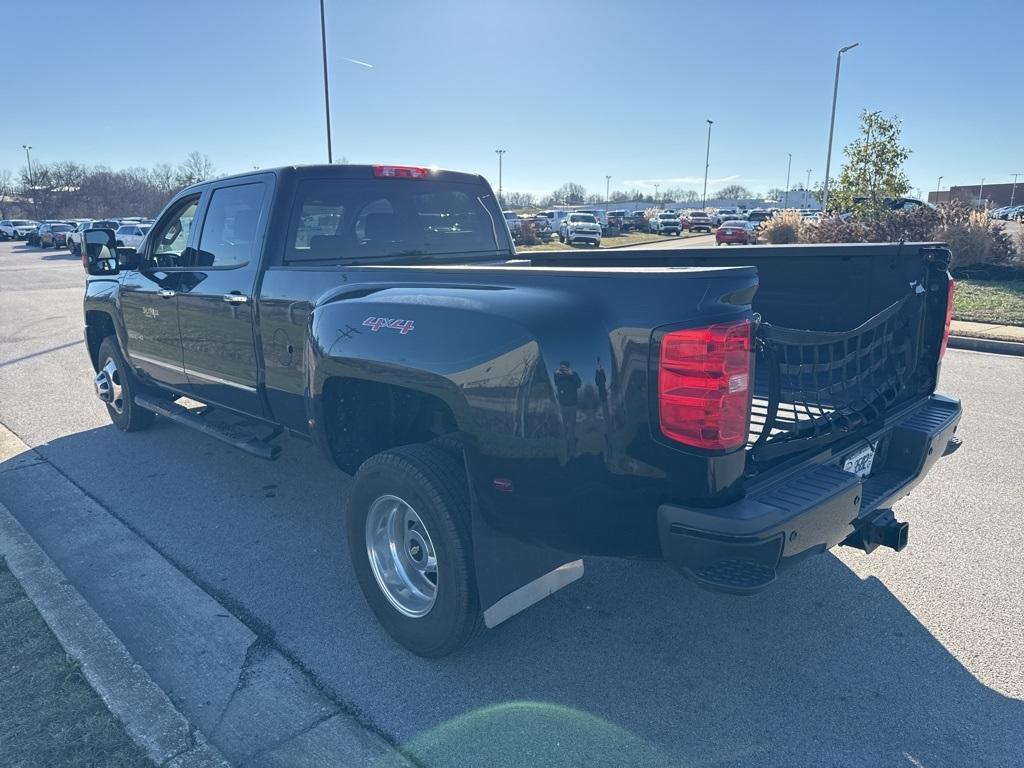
[{"x": 572, "y": 90}]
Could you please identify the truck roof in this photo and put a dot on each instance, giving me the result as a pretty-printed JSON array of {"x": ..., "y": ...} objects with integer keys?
[{"x": 347, "y": 171}]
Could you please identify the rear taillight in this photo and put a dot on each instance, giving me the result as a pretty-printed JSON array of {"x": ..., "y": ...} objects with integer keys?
[
  {"x": 704, "y": 385},
  {"x": 949, "y": 318},
  {"x": 400, "y": 171}
]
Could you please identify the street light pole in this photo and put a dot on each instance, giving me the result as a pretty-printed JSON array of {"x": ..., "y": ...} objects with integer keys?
[
  {"x": 981, "y": 190},
  {"x": 656, "y": 194},
  {"x": 1013, "y": 189},
  {"x": 607, "y": 187},
  {"x": 707, "y": 164},
  {"x": 789, "y": 167},
  {"x": 28, "y": 159},
  {"x": 327, "y": 94},
  {"x": 501, "y": 197},
  {"x": 832, "y": 124},
  {"x": 938, "y": 188}
]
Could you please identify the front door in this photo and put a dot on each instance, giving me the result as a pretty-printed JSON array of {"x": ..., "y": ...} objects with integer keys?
[
  {"x": 216, "y": 311},
  {"x": 149, "y": 297}
]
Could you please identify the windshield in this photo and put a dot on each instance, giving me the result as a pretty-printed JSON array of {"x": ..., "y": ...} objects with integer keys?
[
  {"x": 666, "y": 215},
  {"x": 385, "y": 218},
  {"x": 22, "y": 223},
  {"x": 585, "y": 218},
  {"x": 61, "y": 228}
]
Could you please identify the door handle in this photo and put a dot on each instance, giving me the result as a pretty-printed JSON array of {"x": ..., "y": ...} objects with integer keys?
[
  {"x": 167, "y": 293},
  {"x": 235, "y": 298}
]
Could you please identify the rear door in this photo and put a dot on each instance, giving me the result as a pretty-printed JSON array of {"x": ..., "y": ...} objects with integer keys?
[{"x": 216, "y": 307}]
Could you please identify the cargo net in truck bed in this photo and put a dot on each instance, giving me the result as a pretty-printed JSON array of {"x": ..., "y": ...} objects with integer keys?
[{"x": 814, "y": 387}]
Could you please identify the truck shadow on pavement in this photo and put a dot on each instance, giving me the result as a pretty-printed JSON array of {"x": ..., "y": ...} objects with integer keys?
[{"x": 629, "y": 666}]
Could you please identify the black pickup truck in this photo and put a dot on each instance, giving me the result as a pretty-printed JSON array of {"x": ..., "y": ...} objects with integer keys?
[{"x": 506, "y": 414}]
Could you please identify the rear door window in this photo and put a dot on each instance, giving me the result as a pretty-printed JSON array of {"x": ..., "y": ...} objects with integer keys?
[{"x": 228, "y": 237}]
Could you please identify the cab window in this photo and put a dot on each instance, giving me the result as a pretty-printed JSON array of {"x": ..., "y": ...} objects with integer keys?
[
  {"x": 170, "y": 237},
  {"x": 228, "y": 237}
]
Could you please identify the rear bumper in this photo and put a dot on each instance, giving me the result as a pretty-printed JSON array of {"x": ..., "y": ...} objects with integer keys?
[{"x": 739, "y": 547}]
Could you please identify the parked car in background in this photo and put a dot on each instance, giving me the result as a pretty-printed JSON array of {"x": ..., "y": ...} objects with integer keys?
[
  {"x": 664, "y": 223},
  {"x": 33, "y": 236},
  {"x": 17, "y": 229},
  {"x": 699, "y": 221},
  {"x": 541, "y": 226},
  {"x": 616, "y": 220},
  {"x": 555, "y": 217},
  {"x": 131, "y": 235},
  {"x": 724, "y": 214},
  {"x": 598, "y": 213},
  {"x": 637, "y": 220},
  {"x": 578, "y": 227},
  {"x": 513, "y": 223},
  {"x": 736, "y": 232},
  {"x": 54, "y": 235},
  {"x": 759, "y": 215}
]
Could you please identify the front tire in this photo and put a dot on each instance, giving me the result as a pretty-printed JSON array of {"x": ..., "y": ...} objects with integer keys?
[
  {"x": 115, "y": 375},
  {"x": 409, "y": 541}
]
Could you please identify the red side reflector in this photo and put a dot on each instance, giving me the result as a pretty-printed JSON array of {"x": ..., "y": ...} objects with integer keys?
[
  {"x": 949, "y": 318},
  {"x": 400, "y": 172},
  {"x": 704, "y": 385}
]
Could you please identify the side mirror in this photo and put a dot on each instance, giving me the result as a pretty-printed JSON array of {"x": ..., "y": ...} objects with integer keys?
[{"x": 99, "y": 252}]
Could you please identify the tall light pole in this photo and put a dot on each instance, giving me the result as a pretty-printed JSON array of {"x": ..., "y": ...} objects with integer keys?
[
  {"x": 938, "y": 188},
  {"x": 501, "y": 198},
  {"x": 327, "y": 94},
  {"x": 1013, "y": 189},
  {"x": 707, "y": 164},
  {"x": 981, "y": 189},
  {"x": 656, "y": 194},
  {"x": 28, "y": 159},
  {"x": 607, "y": 187},
  {"x": 789, "y": 167},
  {"x": 832, "y": 124}
]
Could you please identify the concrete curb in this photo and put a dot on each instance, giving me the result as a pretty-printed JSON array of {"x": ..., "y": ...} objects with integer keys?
[
  {"x": 976, "y": 344},
  {"x": 148, "y": 715}
]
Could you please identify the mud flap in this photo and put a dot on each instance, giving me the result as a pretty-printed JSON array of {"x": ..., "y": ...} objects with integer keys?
[{"x": 512, "y": 575}]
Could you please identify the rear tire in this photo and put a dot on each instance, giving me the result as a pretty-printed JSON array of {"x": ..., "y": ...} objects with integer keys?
[
  {"x": 124, "y": 413},
  {"x": 432, "y": 483}
]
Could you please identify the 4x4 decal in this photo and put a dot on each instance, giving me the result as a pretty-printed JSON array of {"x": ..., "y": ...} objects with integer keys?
[{"x": 402, "y": 326}]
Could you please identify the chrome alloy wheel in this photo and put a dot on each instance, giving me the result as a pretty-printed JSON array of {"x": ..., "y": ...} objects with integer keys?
[
  {"x": 401, "y": 556},
  {"x": 108, "y": 385}
]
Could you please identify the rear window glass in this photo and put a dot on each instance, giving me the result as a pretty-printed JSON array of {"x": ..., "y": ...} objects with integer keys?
[
  {"x": 353, "y": 220},
  {"x": 61, "y": 228},
  {"x": 584, "y": 218}
]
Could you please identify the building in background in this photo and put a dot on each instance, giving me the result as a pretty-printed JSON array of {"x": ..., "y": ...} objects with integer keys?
[{"x": 991, "y": 195}]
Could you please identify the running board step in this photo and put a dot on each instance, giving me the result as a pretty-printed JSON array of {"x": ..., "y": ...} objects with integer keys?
[{"x": 233, "y": 434}]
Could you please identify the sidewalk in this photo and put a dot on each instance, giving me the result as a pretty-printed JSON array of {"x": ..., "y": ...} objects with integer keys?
[
  {"x": 987, "y": 337},
  {"x": 987, "y": 331}
]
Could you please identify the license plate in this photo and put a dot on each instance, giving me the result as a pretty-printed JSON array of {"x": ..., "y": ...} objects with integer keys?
[{"x": 859, "y": 462}]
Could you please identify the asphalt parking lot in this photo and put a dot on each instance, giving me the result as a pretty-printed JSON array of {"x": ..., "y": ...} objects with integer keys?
[{"x": 909, "y": 659}]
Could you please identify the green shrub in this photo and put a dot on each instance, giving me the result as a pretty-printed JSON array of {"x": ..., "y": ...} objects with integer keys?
[
  {"x": 783, "y": 228},
  {"x": 973, "y": 238}
]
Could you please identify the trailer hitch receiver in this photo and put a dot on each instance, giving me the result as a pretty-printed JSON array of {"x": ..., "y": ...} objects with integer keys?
[{"x": 882, "y": 530}]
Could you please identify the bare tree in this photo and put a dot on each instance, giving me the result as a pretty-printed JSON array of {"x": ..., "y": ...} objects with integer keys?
[
  {"x": 734, "y": 192},
  {"x": 193, "y": 169},
  {"x": 6, "y": 190},
  {"x": 161, "y": 176}
]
